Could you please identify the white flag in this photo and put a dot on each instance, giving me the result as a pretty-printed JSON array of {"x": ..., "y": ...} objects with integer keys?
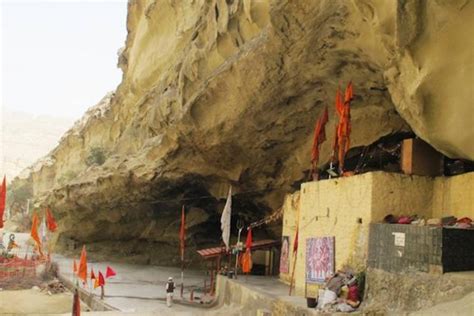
[{"x": 225, "y": 220}]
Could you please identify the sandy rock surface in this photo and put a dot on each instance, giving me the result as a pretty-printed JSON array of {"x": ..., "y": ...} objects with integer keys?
[{"x": 218, "y": 93}]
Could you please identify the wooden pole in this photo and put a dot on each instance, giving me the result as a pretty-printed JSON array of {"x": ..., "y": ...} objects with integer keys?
[
  {"x": 293, "y": 272},
  {"x": 102, "y": 292}
]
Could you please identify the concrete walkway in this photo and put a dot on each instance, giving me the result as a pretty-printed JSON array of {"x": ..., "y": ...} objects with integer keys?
[{"x": 135, "y": 288}]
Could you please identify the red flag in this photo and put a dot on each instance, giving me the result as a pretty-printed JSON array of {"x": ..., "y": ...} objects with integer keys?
[
  {"x": 92, "y": 274},
  {"x": 76, "y": 304},
  {"x": 101, "y": 278},
  {"x": 247, "y": 256},
  {"x": 109, "y": 273},
  {"x": 3, "y": 197},
  {"x": 99, "y": 281},
  {"x": 182, "y": 234},
  {"x": 344, "y": 128},
  {"x": 249, "y": 241},
  {"x": 74, "y": 267},
  {"x": 82, "y": 273},
  {"x": 34, "y": 233},
  {"x": 295, "y": 243},
  {"x": 348, "y": 94},
  {"x": 319, "y": 136},
  {"x": 50, "y": 221}
]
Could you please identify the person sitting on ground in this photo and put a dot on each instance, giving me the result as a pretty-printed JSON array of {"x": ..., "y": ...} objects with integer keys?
[
  {"x": 169, "y": 292},
  {"x": 352, "y": 300}
]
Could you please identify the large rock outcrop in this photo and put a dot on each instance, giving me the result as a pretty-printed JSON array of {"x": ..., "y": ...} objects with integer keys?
[{"x": 226, "y": 92}]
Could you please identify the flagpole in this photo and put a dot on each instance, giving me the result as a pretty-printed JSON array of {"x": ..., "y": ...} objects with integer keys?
[{"x": 293, "y": 272}]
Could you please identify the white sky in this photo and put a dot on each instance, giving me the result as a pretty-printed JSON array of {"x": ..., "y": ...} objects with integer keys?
[{"x": 59, "y": 57}]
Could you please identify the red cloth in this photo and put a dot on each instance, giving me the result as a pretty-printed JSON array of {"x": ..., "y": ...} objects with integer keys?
[
  {"x": 74, "y": 266},
  {"x": 110, "y": 272},
  {"x": 353, "y": 293},
  {"x": 3, "y": 197},
  {"x": 182, "y": 234},
  {"x": 404, "y": 220},
  {"x": 50, "y": 221},
  {"x": 465, "y": 220},
  {"x": 82, "y": 273},
  {"x": 92, "y": 274}
]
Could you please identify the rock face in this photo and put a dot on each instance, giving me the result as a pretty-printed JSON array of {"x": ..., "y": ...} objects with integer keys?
[{"x": 218, "y": 93}]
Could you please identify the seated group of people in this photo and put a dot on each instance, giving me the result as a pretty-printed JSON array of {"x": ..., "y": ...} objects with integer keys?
[{"x": 329, "y": 296}]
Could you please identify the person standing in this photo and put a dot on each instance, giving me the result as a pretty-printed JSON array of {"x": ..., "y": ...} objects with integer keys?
[{"x": 169, "y": 292}]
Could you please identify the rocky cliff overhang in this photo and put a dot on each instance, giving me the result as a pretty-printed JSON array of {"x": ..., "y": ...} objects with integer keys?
[{"x": 218, "y": 93}]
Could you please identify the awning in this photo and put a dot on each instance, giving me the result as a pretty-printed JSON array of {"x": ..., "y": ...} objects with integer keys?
[{"x": 209, "y": 253}]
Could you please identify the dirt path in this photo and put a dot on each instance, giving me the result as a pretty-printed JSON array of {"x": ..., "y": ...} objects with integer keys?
[{"x": 34, "y": 302}]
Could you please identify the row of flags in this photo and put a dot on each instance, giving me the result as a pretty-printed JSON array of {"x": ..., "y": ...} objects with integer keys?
[
  {"x": 81, "y": 271},
  {"x": 50, "y": 224},
  {"x": 341, "y": 142}
]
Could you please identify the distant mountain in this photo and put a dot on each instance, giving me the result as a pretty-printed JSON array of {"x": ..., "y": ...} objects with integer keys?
[{"x": 25, "y": 137}]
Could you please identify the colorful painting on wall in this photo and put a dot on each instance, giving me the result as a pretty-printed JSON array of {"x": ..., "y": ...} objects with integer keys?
[
  {"x": 319, "y": 259},
  {"x": 285, "y": 255}
]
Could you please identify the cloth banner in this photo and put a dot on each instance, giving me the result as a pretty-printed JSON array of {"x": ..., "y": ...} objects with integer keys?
[
  {"x": 319, "y": 259},
  {"x": 285, "y": 255}
]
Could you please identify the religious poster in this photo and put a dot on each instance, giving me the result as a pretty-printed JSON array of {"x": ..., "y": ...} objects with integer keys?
[
  {"x": 285, "y": 255},
  {"x": 319, "y": 259}
]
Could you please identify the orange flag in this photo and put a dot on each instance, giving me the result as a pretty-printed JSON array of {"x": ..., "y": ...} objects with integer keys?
[
  {"x": 50, "y": 221},
  {"x": 319, "y": 136},
  {"x": 247, "y": 257},
  {"x": 96, "y": 283},
  {"x": 182, "y": 234},
  {"x": 3, "y": 196},
  {"x": 34, "y": 232},
  {"x": 92, "y": 274},
  {"x": 82, "y": 273},
  {"x": 74, "y": 267}
]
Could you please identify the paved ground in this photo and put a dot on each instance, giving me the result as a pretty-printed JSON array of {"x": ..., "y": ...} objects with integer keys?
[{"x": 135, "y": 288}]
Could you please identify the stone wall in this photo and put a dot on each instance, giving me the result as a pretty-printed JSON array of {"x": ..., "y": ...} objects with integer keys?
[{"x": 454, "y": 196}]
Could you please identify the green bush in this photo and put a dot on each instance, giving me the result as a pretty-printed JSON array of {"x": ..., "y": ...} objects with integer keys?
[{"x": 97, "y": 156}]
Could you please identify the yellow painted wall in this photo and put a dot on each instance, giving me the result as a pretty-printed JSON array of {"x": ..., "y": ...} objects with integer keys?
[
  {"x": 454, "y": 196},
  {"x": 290, "y": 213},
  {"x": 400, "y": 194},
  {"x": 334, "y": 207}
]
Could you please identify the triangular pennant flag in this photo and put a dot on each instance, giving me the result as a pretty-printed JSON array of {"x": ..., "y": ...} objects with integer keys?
[
  {"x": 34, "y": 233},
  {"x": 74, "y": 266},
  {"x": 50, "y": 221},
  {"x": 249, "y": 241},
  {"x": 109, "y": 272},
  {"x": 225, "y": 220},
  {"x": 82, "y": 272},
  {"x": 92, "y": 274},
  {"x": 96, "y": 283},
  {"x": 3, "y": 197},
  {"x": 101, "y": 279}
]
